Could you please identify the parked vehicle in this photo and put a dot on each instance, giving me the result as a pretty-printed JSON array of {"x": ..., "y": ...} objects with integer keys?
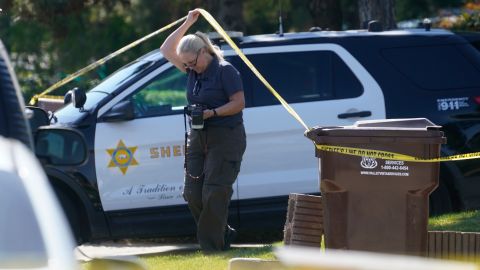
[
  {"x": 34, "y": 232},
  {"x": 131, "y": 186}
]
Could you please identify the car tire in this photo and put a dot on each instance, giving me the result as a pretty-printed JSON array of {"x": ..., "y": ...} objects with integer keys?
[{"x": 73, "y": 215}]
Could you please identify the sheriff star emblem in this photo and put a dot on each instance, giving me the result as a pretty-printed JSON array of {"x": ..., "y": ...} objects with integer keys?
[{"x": 122, "y": 157}]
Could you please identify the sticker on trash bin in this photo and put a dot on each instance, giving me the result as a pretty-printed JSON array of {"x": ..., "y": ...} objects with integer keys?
[
  {"x": 368, "y": 163},
  {"x": 389, "y": 168}
]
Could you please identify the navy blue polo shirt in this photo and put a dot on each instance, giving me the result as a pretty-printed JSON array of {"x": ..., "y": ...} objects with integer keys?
[{"x": 213, "y": 89}]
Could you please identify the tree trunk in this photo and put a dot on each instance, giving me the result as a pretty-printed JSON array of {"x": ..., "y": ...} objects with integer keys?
[
  {"x": 326, "y": 14},
  {"x": 380, "y": 10},
  {"x": 229, "y": 13}
]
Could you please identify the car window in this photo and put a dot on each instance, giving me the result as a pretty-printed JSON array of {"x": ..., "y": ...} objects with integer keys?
[
  {"x": 107, "y": 86},
  {"x": 344, "y": 83},
  {"x": 164, "y": 95},
  {"x": 112, "y": 82},
  {"x": 424, "y": 67},
  {"x": 61, "y": 148},
  {"x": 304, "y": 77}
]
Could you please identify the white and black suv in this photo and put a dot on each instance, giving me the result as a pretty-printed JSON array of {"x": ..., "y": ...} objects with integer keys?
[{"x": 132, "y": 183}]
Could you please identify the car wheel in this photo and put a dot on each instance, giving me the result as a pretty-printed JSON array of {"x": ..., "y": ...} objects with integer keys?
[
  {"x": 72, "y": 213},
  {"x": 440, "y": 200}
]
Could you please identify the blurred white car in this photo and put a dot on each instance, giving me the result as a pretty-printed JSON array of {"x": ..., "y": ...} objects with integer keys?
[{"x": 34, "y": 234}]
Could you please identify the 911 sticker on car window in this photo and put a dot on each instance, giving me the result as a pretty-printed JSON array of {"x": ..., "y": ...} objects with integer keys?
[{"x": 452, "y": 104}]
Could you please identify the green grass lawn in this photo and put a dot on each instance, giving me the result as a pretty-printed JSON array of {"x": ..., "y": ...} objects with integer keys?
[
  {"x": 462, "y": 222},
  {"x": 198, "y": 260},
  {"x": 188, "y": 260},
  {"x": 465, "y": 221}
]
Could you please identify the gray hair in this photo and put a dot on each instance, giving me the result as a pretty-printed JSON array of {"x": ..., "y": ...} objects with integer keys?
[{"x": 192, "y": 43}]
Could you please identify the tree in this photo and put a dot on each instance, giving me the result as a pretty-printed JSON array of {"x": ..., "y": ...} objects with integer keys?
[
  {"x": 49, "y": 39},
  {"x": 229, "y": 13},
  {"x": 326, "y": 14},
  {"x": 469, "y": 20},
  {"x": 350, "y": 14},
  {"x": 381, "y": 10},
  {"x": 419, "y": 9}
]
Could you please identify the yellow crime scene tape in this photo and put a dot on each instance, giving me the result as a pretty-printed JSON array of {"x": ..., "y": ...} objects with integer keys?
[
  {"x": 338, "y": 149},
  {"x": 391, "y": 155},
  {"x": 99, "y": 62},
  {"x": 220, "y": 30}
]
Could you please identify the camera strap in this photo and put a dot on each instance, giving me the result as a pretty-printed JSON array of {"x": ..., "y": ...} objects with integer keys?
[{"x": 186, "y": 137}]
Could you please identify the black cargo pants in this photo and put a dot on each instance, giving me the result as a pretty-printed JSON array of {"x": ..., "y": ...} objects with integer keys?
[{"x": 213, "y": 158}]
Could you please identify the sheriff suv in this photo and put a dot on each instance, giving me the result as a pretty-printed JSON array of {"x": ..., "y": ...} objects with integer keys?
[{"x": 131, "y": 185}]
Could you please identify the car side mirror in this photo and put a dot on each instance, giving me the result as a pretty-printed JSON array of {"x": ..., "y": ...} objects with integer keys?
[
  {"x": 36, "y": 117},
  {"x": 122, "y": 111},
  {"x": 77, "y": 96},
  {"x": 60, "y": 146}
]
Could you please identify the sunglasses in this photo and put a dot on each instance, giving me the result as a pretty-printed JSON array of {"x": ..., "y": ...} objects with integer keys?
[{"x": 192, "y": 63}]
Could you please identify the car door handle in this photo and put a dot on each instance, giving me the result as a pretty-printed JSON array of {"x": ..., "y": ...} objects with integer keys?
[{"x": 355, "y": 114}]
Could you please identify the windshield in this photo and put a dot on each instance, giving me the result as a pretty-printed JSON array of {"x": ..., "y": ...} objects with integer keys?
[{"x": 106, "y": 87}]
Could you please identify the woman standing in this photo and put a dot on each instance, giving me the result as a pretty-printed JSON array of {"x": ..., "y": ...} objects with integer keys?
[{"x": 214, "y": 153}]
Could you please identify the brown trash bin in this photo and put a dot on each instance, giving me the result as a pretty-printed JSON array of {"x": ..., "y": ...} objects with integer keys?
[{"x": 375, "y": 204}]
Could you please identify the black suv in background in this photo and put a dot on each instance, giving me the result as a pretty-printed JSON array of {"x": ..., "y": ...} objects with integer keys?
[{"x": 438, "y": 78}]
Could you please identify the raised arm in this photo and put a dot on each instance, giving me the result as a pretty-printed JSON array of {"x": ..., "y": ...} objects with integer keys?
[{"x": 169, "y": 46}]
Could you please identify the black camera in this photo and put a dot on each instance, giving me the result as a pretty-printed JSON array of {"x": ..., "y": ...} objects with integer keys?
[{"x": 196, "y": 114}]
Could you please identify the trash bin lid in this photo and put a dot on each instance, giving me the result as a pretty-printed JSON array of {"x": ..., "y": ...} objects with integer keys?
[
  {"x": 410, "y": 127},
  {"x": 409, "y": 123}
]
